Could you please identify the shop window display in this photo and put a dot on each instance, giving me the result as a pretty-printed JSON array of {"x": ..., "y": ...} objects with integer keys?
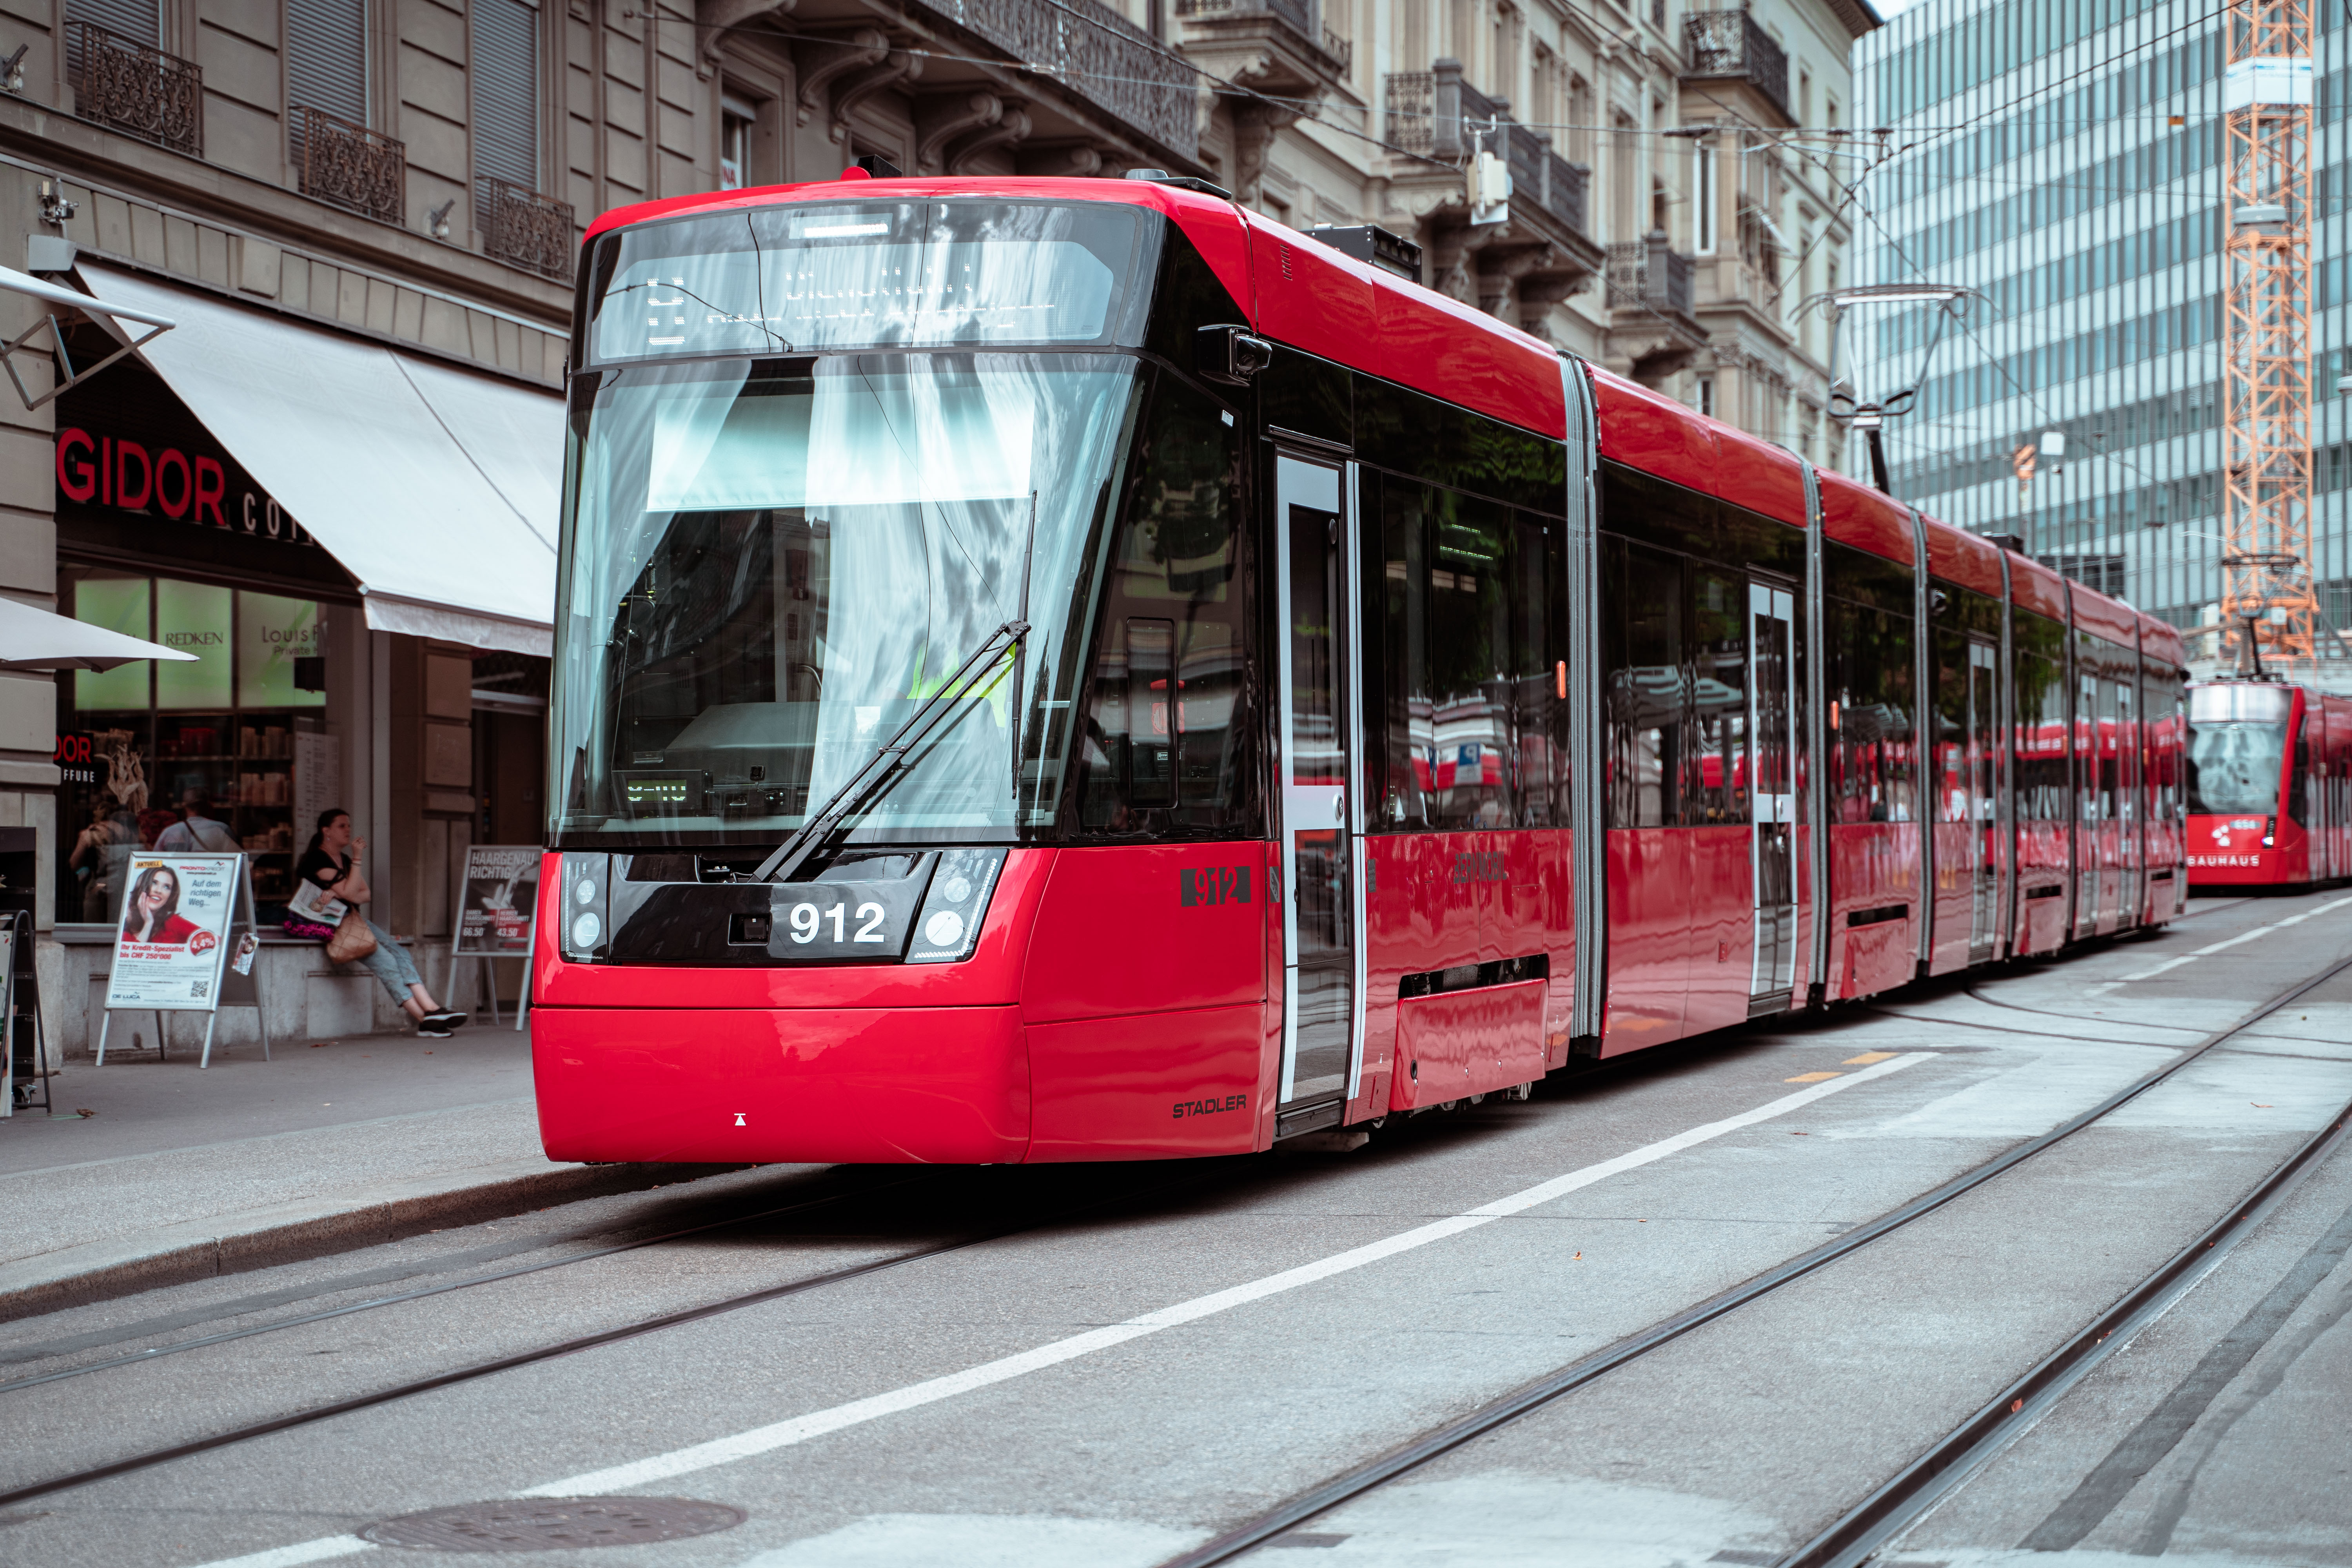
[{"x": 219, "y": 731}]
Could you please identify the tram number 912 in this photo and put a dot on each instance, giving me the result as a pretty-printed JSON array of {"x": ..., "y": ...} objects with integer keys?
[
  {"x": 842, "y": 922},
  {"x": 806, "y": 921}
]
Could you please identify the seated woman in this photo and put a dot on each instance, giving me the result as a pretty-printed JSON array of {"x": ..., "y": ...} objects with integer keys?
[{"x": 337, "y": 887}]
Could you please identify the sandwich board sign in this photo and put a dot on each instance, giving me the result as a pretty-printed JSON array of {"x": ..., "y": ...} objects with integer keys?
[
  {"x": 186, "y": 944},
  {"x": 496, "y": 914}
]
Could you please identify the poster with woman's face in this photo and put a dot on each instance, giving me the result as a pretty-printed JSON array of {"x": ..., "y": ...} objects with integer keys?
[{"x": 176, "y": 912}]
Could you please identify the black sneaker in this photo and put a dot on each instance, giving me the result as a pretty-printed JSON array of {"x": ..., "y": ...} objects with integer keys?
[
  {"x": 447, "y": 1019},
  {"x": 428, "y": 1031}
]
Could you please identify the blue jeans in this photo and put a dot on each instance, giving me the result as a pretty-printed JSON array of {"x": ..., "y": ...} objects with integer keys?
[{"x": 391, "y": 963}]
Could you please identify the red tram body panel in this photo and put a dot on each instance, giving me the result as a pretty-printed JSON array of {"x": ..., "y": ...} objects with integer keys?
[{"x": 1073, "y": 669}]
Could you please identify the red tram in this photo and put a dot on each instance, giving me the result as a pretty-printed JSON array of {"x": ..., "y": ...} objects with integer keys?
[
  {"x": 2269, "y": 777},
  {"x": 1060, "y": 669}
]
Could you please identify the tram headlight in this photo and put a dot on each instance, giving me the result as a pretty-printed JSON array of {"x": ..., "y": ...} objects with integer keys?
[
  {"x": 580, "y": 918},
  {"x": 955, "y": 905}
]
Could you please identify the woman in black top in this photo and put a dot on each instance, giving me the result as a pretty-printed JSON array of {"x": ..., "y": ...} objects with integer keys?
[{"x": 331, "y": 884}]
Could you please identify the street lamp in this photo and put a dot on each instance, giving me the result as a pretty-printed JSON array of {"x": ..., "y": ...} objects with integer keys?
[{"x": 1868, "y": 417}]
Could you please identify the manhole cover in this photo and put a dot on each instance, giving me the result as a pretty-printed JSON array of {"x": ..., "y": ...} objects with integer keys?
[{"x": 545, "y": 1524}]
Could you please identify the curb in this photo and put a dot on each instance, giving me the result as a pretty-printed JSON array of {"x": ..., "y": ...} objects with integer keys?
[{"x": 312, "y": 1228}]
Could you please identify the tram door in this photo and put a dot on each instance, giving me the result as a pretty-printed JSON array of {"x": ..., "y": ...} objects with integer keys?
[
  {"x": 2131, "y": 854},
  {"x": 1985, "y": 853},
  {"x": 1772, "y": 842},
  {"x": 2089, "y": 834},
  {"x": 1322, "y": 984}
]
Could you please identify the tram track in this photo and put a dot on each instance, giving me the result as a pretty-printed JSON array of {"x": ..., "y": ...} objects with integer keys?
[
  {"x": 147, "y": 1357},
  {"x": 1930, "y": 1476},
  {"x": 636, "y": 1328}
]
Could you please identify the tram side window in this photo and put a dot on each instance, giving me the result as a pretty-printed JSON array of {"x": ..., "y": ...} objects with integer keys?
[
  {"x": 2105, "y": 739},
  {"x": 2039, "y": 705},
  {"x": 1167, "y": 724},
  {"x": 1715, "y": 784},
  {"x": 2299, "y": 773},
  {"x": 2159, "y": 702},
  {"x": 1468, "y": 640},
  {"x": 1868, "y": 631},
  {"x": 1445, "y": 444},
  {"x": 1643, "y": 684}
]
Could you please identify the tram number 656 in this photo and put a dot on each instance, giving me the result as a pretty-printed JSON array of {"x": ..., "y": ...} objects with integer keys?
[{"x": 806, "y": 920}]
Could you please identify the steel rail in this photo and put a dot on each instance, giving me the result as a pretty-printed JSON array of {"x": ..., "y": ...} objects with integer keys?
[
  {"x": 1352, "y": 1483},
  {"x": 147, "y": 1357},
  {"x": 573, "y": 1346},
  {"x": 1904, "y": 1500}
]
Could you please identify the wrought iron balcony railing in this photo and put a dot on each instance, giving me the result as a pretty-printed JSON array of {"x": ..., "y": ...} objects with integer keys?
[
  {"x": 349, "y": 165},
  {"x": 1410, "y": 100},
  {"x": 1436, "y": 113},
  {"x": 1731, "y": 43},
  {"x": 1094, "y": 54},
  {"x": 1300, "y": 16},
  {"x": 127, "y": 86},
  {"x": 524, "y": 229},
  {"x": 1644, "y": 273}
]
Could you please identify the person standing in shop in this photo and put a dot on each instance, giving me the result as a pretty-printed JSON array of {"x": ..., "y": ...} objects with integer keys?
[{"x": 195, "y": 833}]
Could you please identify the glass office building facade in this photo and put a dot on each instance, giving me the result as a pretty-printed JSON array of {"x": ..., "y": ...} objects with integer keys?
[{"x": 2064, "y": 160}]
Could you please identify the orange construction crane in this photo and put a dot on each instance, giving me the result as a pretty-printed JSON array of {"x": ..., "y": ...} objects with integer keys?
[{"x": 2267, "y": 584}]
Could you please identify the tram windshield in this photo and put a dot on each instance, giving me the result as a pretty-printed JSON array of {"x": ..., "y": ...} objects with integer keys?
[
  {"x": 2237, "y": 745},
  {"x": 768, "y": 562}
]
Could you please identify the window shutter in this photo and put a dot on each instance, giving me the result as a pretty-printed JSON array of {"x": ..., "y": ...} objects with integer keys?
[
  {"x": 139, "y": 19},
  {"x": 326, "y": 57},
  {"x": 506, "y": 92}
]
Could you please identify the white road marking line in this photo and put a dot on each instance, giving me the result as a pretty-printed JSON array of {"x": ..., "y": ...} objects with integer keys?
[
  {"x": 2232, "y": 941},
  {"x": 800, "y": 1428},
  {"x": 2159, "y": 969},
  {"x": 318, "y": 1550}
]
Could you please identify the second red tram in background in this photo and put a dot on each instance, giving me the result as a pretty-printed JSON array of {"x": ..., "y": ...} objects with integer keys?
[
  {"x": 2269, "y": 785},
  {"x": 1066, "y": 670}
]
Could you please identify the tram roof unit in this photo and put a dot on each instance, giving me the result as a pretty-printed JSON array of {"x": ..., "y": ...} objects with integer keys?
[
  {"x": 2033, "y": 586},
  {"x": 2102, "y": 617},
  {"x": 1649, "y": 431},
  {"x": 1965, "y": 559},
  {"x": 1295, "y": 290},
  {"x": 2161, "y": 639},
  {"x": 1853, "y": 513}
]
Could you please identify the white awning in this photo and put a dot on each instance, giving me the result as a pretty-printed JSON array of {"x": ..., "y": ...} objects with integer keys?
[
  {"x": 33, "y": 638},
  {"x": 436, "y": 488}
]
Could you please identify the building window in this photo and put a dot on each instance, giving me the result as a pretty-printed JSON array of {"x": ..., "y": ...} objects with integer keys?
[
  {"x": 1704, "y": 196},
  {"x": 222, "y": 730},
  {"x": 1706, "y": 395},
  {"x": 737, "y": 120},
  {"x": 506, "y": 92}
]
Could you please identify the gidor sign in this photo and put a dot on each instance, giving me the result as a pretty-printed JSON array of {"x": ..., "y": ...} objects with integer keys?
[{"x": 120, "y": 473}]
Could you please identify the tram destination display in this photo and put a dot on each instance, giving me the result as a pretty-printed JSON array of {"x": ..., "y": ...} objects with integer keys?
[{"x": 502, "y": 893}]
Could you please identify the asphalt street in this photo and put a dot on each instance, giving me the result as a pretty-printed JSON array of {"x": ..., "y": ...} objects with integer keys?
[{"x": 1109, "y": 1366}]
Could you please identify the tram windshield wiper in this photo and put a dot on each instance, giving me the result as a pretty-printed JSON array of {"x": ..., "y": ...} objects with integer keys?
[{"x": 870, "y": 783}]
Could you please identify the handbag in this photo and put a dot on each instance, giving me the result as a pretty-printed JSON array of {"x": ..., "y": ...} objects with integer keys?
[{"x": 353, "y": 941}]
